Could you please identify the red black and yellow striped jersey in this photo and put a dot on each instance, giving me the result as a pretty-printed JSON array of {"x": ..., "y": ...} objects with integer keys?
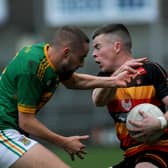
[{"x": 150, "y": 87}]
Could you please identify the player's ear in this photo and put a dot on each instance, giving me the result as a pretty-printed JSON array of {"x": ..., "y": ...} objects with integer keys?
[
  {"x": 117, "y": 46},
  {"x": 66, "y": 51}
]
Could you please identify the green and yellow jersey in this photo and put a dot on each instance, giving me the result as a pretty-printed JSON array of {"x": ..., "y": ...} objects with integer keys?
[{"x": 26, "y": 84}]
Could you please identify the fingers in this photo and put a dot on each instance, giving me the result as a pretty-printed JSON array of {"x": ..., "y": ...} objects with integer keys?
[
  {"x": 78, "y": 154},
  {"x": 143, "y": 114},
  {"x": 124, "y": 68},
  {"x": 123, "y": 79},
  {"x": 131, "y": 65},
  {"x": 83, "y": 152},
  {"x": 136, "y": 124},
  {"x": 76, "y": 148},
  {"x": 142, "y": 137},
  {"x": 72, "y": 155},
  {"x": 143, "y": 59},
  {"x": 137, "y": 134},
  {"x": 83, "y": 137},
  {"x": 130, "y": 70},
  {"x": 136, "y": 62}
]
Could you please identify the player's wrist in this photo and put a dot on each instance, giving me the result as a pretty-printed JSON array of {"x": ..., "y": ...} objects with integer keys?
[{"x": 163, "y": 122}]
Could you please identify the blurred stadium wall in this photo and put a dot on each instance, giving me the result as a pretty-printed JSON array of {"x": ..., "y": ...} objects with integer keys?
[{"x": 26, "y": 22}]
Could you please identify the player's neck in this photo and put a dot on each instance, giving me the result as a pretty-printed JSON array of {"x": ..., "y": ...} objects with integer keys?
[
  {"x": 122, "y": 58},
  {"x": 53, "y": 56}
]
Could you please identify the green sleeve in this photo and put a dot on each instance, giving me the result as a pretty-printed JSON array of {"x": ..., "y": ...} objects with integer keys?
[{"x": 28, "y": 93}]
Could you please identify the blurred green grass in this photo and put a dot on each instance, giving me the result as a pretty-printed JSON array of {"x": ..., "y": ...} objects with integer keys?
[{"x": 97, "y": 157}]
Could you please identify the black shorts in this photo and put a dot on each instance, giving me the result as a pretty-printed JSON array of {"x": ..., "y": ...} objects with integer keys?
[{"x": 158, "y": 158}]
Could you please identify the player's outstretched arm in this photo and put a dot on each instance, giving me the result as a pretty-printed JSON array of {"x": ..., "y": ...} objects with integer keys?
[
  {"x": 120, "y": 78},
  {"x": 85, "y": 81},
  {"x": 30, "y": 124}
]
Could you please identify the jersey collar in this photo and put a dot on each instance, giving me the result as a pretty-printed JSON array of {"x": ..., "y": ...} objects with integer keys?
[{"x": 46, "y": 55}]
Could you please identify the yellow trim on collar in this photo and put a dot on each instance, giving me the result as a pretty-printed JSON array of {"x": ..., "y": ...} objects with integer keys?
[{"x": 46, "y": 55}]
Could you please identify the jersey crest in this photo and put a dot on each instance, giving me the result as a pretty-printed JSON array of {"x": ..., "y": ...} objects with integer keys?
[{"x": 126, "y": 104}]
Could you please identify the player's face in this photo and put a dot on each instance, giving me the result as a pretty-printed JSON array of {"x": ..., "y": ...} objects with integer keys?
[
  {"x": 104, "y": 53},
  {"x": 76, "y": 59}
]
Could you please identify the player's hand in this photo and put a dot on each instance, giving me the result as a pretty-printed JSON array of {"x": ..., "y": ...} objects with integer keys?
[
  {"x": 121, "y": 79},
  {"x": 131, "y": 65},
  {"x": 145, "y": 127},
  {"x": 125, "y": 78},
  {"x": 127, "y": 73},
  {"x": 78, "y": 154},
  {"x": 73, "y": 146}
]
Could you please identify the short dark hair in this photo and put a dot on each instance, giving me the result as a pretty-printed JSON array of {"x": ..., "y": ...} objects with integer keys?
[
  {"x": 71, "y": 35},
  {"x": 118, "y": 29}
]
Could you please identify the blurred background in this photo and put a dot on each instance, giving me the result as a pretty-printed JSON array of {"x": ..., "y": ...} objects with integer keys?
[{"x": 71, "y": 112}]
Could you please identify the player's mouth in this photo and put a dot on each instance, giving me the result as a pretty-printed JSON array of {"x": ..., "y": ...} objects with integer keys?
[
  {"x": 97, "y": 62},
  {"x": 100, "y": 65}
]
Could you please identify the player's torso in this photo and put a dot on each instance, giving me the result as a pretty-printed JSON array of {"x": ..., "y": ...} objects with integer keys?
[
  {"x": 142, "y": 91},
  {"x": 31, "y": 61}
]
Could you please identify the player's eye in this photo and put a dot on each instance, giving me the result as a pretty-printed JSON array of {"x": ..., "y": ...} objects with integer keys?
[{"x": 97, "y": 46}]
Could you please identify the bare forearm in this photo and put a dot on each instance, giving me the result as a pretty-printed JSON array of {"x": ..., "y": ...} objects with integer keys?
[
  {"x": 34, "y": 127},
  {"x": 94, "y": 81},
  {"x": 102, "y": 96},
  {"x": 84, "y": 81}
]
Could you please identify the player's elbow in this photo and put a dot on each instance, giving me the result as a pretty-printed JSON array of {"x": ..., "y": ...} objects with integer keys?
[
  {"x": 97, "y": 102},
  {"x": 97, "y": 99}
]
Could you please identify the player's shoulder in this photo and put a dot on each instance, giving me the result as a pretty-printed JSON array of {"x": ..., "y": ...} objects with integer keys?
[
  {"x": 33, "y": 52},
  {"x": 155, "y": 68},
  {"x": 33, "y": 48},
  {"x": 28, "y": 58},
  {"x": 151, "y": 64}
]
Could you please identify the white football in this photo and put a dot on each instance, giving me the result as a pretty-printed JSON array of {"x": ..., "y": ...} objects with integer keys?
[{"x": 150, "y": 109}]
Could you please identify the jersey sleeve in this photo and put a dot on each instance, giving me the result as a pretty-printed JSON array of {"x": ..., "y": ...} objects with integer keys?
[
  {"x": 160, "y": 80},
  {"x": 28, "y": 93}
]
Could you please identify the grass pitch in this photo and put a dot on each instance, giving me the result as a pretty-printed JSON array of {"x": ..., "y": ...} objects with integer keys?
[{"x": 97, "y": 157}]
